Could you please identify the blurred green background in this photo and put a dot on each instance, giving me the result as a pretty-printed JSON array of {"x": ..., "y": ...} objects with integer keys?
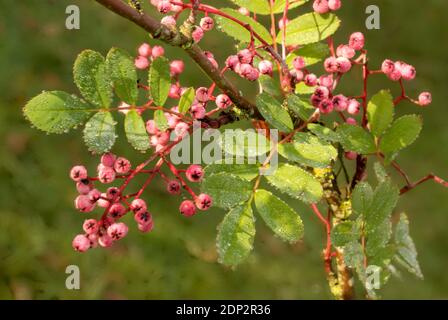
[{"x": 178, "y": 259}]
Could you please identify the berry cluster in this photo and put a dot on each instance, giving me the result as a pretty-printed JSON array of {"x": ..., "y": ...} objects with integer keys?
[{"x": 325, "y": 6}]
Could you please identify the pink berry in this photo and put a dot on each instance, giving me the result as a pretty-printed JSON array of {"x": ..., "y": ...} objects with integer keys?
[
  {"x": 94, "y": 195},
  {"x": 425, "y": 99},
  {"x": 351, "y": 121},
  {"x": 202, "y": 94},
  {"x": 112, "y": 193},
  {"x": 387, "y": 66},
  {"x": 117, "y": 231},
  {"x": 232, "y": 62},
  {"x": 157, "y": 51},
  {"x": 105, "y": 241},
  {"x": 117, "y": 210},
  {"x": 177, "y": 8},
  {"x": 164, "y": 6},
  {"x": 81, "y": 243},
  {"x": 143, "y": 217},
  {"x": 408, "y": 72},
  {"x": 187, "y": 208},
  {"x": 198, "y": 111},
  {"x": 326, "y": 81},
  {"x": 296, "y": 75},
  {"x": 93, "y": 238},
  {"x": 353, "y": 107},
  {"x": 83, "y": 204},
  {"x": 176, "y": 67},
  {"x": 282, "y": 23},
  {"x": 83, "y": 186},
  {"x": 214, "y": 63},
  {"x": 321, "y": 6},
  {"x": 90, "y": 226},
  {"x": 194, "y": 173},
  {"x": 299, "y": 63},
  {"x": 310, "y": 80},
  {"x": 331, "y": 65},
  {"x": 223, "y": 101},
  {"x": 244, "y": 11},
  {"x": 138, "y": 206},
  {"x": 322, "y": 92},
  {"x": 163, "y": 138},
  {"x": 78, "y": 173},
  {"x": 102, "y": 201},
  {"x": 181, "y": 129},
  {"x": 334, "y": 4},
  {"x": 144, "y": 50},
  {"x": 151, "y": 127},
  {"x": 141, "y": 63},
  {"x": 350, "y": 155},
  {"x": 173, "y": 187},
  {"x": 245, "y": 56},
  {"x": 146, "y": 227},
  {"x": 345, "y": 51},
  {"x": 343, "y": 65},
  {"x": 207, "y": 23},
  {"x": 251, "y": 74},
  {"x": 106, "y": 175},
  {"x": 122, "y": 165},
  {"x": 174, "y": 92},
  {"x": 108, "y": 159},
  {"x": 168, "y": 21},
  {"x": 203, "y": 202},
  {"x": 356, "y": 41},
  {"x": 197, "y": 34},
  {"x": 326, "y": 106},
  {"x": 340, "y": 103},
  {"x": 265, "y": 67},
  {"x": 394, "y": 75}
]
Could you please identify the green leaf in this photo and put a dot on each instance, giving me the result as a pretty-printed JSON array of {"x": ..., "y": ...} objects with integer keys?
[
  {"x": 362, "y": 198},
  {"x": 378, "y": 237},
  {"x": 344, "y": 233},
  {"x": 160, "y": 120},
  {"x": 403, "y": 132},
  {"x": 308, "y": 150},
  {"x": 270, "y": 85},
  {"x": 354, "y": 255},
  {"x": 303, "y": 89},
  {"x": 244, "y": 171},
  {"x": 92, "y": 78},
  {"x": 135, "y": 129},
  {"x": 311, "y": 53},
  {"x": 160, "y": 80},
  {"x": 262, "y": 6},
  {"x": 237, "y": 31},
  {"x": 120, "y": 66},
  {"x": 303, "y": 109},
  {"x": 186, "y": 100},
  {"x": 278, "y": 216},
  {"x": 380, "y": 172},
  {"x": 247, "y": 143},
  {"x": 297, "y": 183},
  {"x": 309, "y": 28},
  {"x": 323, "y": 132},
  {"x": 99, "y": 132},
  {"x": 354, "y": 138},
  {"x": 380, "y": 112},
  {"x": 407, "y": 253},
  {"x": 236, "y": 235},
  {"x": 274, "y": 113},
  {"x": 56, "y": 111},
  {"x": 383, "y": 202},
  {"x": 227, "y": 190}
]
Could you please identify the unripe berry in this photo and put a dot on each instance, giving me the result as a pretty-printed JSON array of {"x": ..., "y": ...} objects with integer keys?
[
  {"x": 117, "y": 231},
  {"x": 203, "y": 202},
  {"x": 78, "y": 173},
  {"x": 207, "y": 23},
  {"x": 197, "y": 34},
  {"x": 176, "y": 67},
  {"x": 90, "y": 226},
  {"x": 146, "y": 227},
  {"x": 408, "y": 72},
  {"x": 157, "y": 51},
  {"x": 343, "y": 65},
  {"x": 106, "y": 175},
  {"x": 202, "y": 94},
  {"x": 151, "y": 127},
  {"x": 194, "y": 173},
  {"x": 345, "y": 51},
  {"x": 168, "y": 21},
  {"x": 143, "y": 218},
  {"x": 350, "y": 155},
  {"x": 265, "y": 67},
  {"x": 353, "y": 107},
  {"x": 83, "y": 186},
  {"x": 298, "y": 63},
  {"x": 117, "y": 210},
  {"x": 356, "y": 41},
  {"x": 141, "y": 62},
  {"x": 223, "y": 101},
  {"x": 321, "y": 6},
  {"x": 81, "y": 243},
  {"x": 83, "y": 204},
  {"x": 138, "y": 206},
  {"x": 340, "y": 103},
  {"x": 105, "y": 241},
  {"x": 173, "y": 187},
  {"x": 164, "y": 6},
  {"x": 310, "y": 80},
  {"x": 144, "y": 50},
  {"x": 334, "y": 4},
  {"x": 245, "y": 56},
  {"x": 122, "y": 165},
  {"x": 388, "y": 66},
  {"x": 108, "y": 159},
  {"x": 198, "y": 111},
  {"x": 425, "y": 99},
  {"x": 326, "y": 106},
  {"x": 187, "y": 208}
]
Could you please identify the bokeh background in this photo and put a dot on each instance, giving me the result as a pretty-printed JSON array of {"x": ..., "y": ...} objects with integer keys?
[{"x": 178, "y": 259}]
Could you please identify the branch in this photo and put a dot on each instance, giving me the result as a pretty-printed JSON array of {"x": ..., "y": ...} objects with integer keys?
[
  {"x": 430, "y": 176},
  {"x": 175, "y": 38}
]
